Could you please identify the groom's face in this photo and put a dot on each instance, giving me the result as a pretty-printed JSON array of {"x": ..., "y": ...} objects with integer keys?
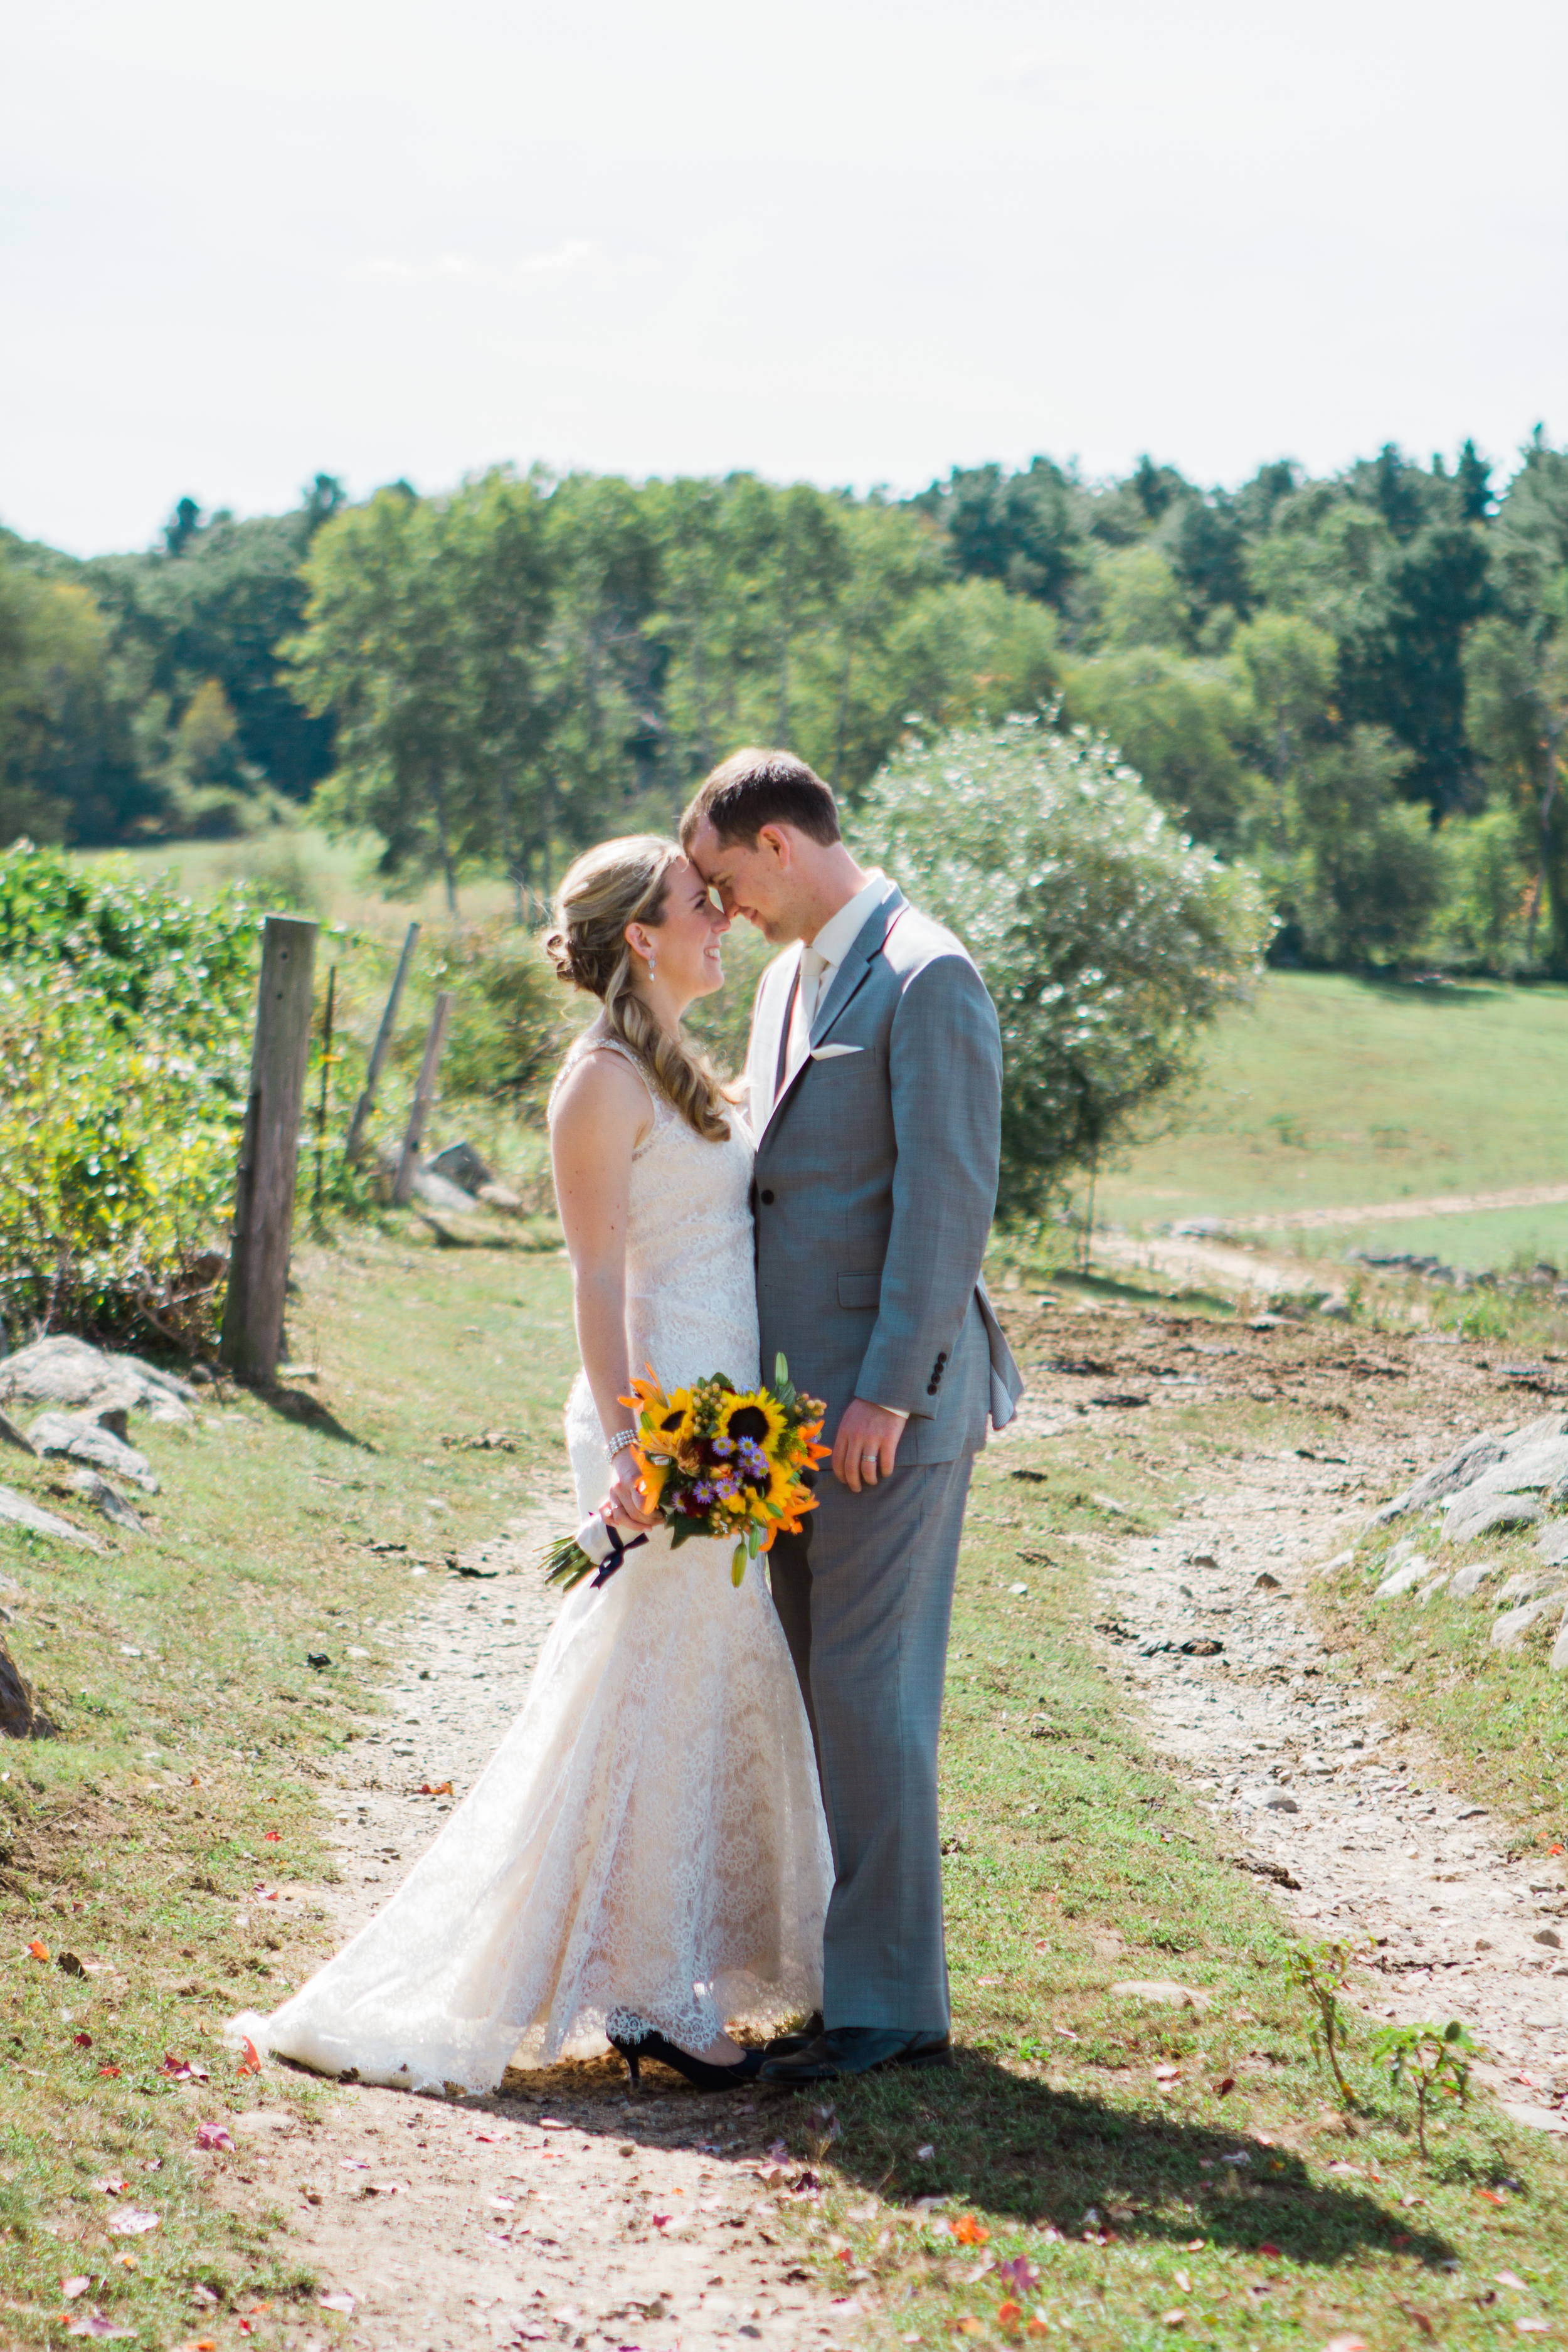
[{"x": 755, "y": 880}]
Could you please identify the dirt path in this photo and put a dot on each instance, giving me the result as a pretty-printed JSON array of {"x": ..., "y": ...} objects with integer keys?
[
  {"x": 1202, "y": 1266},
  {"x": 1440, "y": 1205},
  {"x": 1357, "y": 1823},
  {"x": 562, "y": 2211}
]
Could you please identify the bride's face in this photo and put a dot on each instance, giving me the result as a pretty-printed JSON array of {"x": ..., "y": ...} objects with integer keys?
[{"x": 686, "y": 938}]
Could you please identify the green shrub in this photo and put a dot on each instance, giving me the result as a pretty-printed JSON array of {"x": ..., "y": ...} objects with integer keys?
[
  {"x": 1105, "y": 938},
  {"x": 125, "y": 1017}
]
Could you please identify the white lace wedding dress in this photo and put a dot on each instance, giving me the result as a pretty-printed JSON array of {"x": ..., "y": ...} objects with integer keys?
[{"x": 648, "y": 1842}]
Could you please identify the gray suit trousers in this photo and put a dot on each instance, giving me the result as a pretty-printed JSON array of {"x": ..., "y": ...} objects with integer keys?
[{"x": 864, "y": 1595}]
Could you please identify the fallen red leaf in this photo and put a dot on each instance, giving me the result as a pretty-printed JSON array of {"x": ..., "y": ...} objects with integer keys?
[
  {"x": 39, "y": 1950},
  {"x": 1268, "y": 2248},
  {"x": 1222, "y": 2090},
  {"x": 81, "y": 2042},
  {"x": 250, "y": 2063},
  {"x": 435, "y": 1788},
  {"x": 969, "y": 2231},
  {"x": 215, "y": 2136},
  {"x": 1492, "y": 2197},
  {"x": 1008, "y": 2313},
  {"x": 109, "y": 2070},
  {"x": 271, "y": 1837}
]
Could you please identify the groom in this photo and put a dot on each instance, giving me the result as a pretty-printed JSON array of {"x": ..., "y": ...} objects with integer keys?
[{"x": 875, "y": 1074}]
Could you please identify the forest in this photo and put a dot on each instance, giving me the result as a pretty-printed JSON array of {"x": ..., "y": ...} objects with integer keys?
[{"x": 1355, "y": 685}]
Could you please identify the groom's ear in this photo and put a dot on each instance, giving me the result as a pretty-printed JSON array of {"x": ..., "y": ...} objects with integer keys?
[{"x": 775, "y": 840}]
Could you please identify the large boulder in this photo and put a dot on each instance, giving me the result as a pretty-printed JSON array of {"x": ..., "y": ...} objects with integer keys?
[
  {"x": 77, "y": 1378},
  {"x": 1510, "y": 1628}
]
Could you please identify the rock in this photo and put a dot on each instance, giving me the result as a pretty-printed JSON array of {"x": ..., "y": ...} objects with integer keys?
[
  {"x": 1430, "y": 1591},
  {"x": 84, "y": 1438},
  {"x": 20, "y": 1513},
  {"x": 1525, "y": 1584},
  {"x": 11, "y": 1435},
  {"x": 460, "y": 1164},
  {"x": 103, "y": 1498},
  {"x": 68, "y": 1374},
  {"x": 1264, "y": 1582},
  {"x": 501, "y": 1196},
  {"x": 1201, "y": 1228},
  {"x": 21, "y": 1717},
  {"x": 1513, "y": 1626},
  {"x": 1336, "y": 1307},
  {"x": 1281, "y": 1805},
  {"x": 1469, "y": 1520},
  {"x": 1403, "y": 1578},
  {"x": 437, "y": 1193},
  {"x": 1552, "y": 1543},
  {"x": 1471, "y": 1578},
  {"x": 1164, "y": 1990},
  {"x": 1559, "y": 1658},
  {"x": 1547, "y": 2119},
  {"x": 1551, "y": 1936},
  {"x": 1477, "y": 1454}
]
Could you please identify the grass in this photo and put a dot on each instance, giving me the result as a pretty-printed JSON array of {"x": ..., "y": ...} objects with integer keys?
[
  {"x": 189, "y": 1774},
  {"x": 145, "y": 1842},
  {"x": 1501, "y": 1714},
  {"x": 1074, "y": 1864},
  {"x": 333, "y": 879},
  {"x": 1333, "y": 1091}
]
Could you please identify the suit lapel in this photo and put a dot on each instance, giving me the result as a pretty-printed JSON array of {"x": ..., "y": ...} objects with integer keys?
[
  {"x": 850, "y": 978},
  {"x": 854, "y": 969}
]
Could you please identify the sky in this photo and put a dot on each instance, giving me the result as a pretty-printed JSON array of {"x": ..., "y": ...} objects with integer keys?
[{"x": 848, "y": 241}]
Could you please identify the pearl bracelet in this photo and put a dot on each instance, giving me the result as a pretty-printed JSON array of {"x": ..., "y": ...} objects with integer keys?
[{"x": 618, "y": 1444}]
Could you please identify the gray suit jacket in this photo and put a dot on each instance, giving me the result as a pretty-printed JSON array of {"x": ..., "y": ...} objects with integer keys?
[{"x": 875, "y": 1184}]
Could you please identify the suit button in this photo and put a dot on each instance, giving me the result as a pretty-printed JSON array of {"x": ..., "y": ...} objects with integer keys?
[
  {"x": 931, "y": 1387},
  {"x": 766, "y": 1199}
]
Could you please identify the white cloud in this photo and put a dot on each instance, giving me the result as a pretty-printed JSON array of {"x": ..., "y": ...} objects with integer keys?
[{"x": 1038, "y": 64}]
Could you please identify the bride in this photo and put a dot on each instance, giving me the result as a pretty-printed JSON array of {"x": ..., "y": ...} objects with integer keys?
[{"x": 645, "y": 1859}]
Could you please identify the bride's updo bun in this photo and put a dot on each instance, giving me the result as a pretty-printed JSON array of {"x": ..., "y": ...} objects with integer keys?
[{"x": 617, "y": 883}]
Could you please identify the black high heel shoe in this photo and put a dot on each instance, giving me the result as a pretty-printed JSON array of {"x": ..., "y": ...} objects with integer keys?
[{"x": 706, "y": 2076}]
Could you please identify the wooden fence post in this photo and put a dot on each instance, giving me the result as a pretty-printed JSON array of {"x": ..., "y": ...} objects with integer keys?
[
  {"x": 252, "y": 1337},
  {"x": 379, "y": 1050},
  {"x": 423, "y": 1097}
]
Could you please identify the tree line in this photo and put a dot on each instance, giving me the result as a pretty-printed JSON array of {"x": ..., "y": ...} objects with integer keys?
[{"x": 1357, "y": 684}]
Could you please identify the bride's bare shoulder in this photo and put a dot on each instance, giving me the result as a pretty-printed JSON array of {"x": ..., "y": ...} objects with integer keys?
[{"x": 600, "y": 1089}]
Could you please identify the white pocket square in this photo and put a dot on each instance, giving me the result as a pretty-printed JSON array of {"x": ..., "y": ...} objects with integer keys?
[{"x": 831, "y": 1052}]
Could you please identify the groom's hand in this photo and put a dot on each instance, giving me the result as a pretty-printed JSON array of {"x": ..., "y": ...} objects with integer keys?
[{"x": 867, "y": 1445}]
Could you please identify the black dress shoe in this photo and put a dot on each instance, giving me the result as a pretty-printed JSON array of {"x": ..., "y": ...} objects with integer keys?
[
  {"x": 784, "y": 2045},
  {"x": 855, "y": 2050}
]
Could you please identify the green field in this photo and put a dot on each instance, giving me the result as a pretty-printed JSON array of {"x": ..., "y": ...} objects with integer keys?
[
  {"x": 1333, "y": 1092},
  {"x": 332, "y": 879}
]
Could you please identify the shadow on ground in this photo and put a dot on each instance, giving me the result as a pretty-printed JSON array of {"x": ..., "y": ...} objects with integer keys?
[{"x": 1025, "y": 2153}]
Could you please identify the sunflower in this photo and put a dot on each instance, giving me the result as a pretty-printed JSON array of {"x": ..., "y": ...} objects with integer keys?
[
  {"x": 668, "y": 1423},
  {"x": 759, "y": 1416}
]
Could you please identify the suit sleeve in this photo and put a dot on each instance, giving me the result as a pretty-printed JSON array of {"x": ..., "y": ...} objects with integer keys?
[{"x": 945, "y": 1079}]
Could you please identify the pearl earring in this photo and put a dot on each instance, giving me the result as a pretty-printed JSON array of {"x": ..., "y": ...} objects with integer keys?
[{"x": 652, "y": 964}]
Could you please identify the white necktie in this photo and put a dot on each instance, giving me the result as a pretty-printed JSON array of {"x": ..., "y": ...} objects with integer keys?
[{"x": 813, "y": 964}]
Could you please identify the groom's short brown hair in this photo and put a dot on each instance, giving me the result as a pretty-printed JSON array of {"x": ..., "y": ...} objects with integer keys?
[{"x": 754, "y": 787}]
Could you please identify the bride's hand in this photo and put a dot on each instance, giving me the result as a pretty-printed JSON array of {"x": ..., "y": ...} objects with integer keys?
[{"x": 624, "y": 1506}]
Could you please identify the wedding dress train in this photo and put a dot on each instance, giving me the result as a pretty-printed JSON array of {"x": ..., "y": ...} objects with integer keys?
[{"x": 648, "y": 1844}]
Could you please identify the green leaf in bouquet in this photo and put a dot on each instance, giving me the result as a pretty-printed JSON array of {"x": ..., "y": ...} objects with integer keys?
[{"x": 682, "y": 1529}]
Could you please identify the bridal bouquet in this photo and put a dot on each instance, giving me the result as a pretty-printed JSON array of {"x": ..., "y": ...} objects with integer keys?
[{"x": 714, "y": 1460}]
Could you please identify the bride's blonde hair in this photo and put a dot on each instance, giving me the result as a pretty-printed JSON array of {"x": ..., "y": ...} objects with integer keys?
[{"x": 623, "y": 882}]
